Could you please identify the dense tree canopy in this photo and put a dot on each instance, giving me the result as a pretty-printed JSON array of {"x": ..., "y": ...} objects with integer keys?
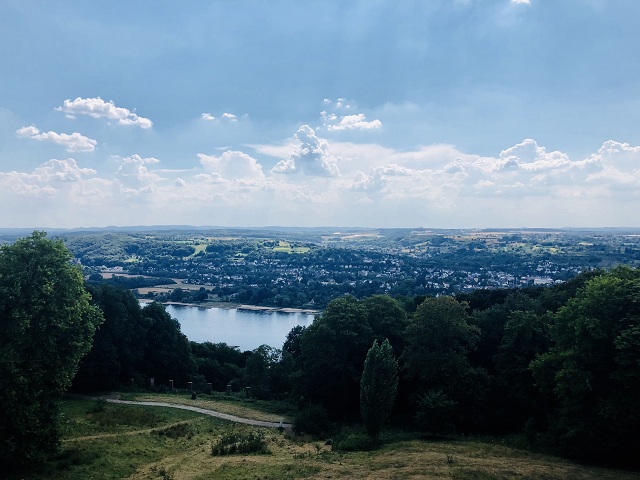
[
  {"x": 46, "y": 326},
  {"x": 592, "y": 369},
  {"x": 438, "y": 341}
]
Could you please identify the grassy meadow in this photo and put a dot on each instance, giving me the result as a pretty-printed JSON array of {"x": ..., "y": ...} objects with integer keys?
[{"x": 113, "y": 441}]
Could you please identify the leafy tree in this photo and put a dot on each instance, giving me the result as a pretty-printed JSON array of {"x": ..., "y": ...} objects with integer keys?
[
  {"x": 46, "y": 326},
  {"x": 119, "y": 344},
  {"x": 378, "y": 387},
  {"x": 516, "y": 399},
  {"x": 261, "y": 369},
  {"x": 387, "y": 319},
  {"x": 333, "y": 348},
  {"x": 435, "y": 357},
  {"x": 219, "y": 363},
  {"x": 592, "y": 369},
  {"x": 168, "y": 353},
  {"x": 435, "y": 413}
]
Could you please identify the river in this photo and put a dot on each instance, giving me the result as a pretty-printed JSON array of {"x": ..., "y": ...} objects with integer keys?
[{"x": 244, "y": 329}]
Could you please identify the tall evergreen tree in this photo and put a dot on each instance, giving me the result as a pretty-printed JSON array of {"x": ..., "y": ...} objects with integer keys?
[{"x": 378, "y": 387}]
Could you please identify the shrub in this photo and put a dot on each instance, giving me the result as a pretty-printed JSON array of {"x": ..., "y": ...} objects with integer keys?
[
  {"x": 312, "y": 420},
  {"x": 353, "y": 442},
  {"x": 235, "y": 442}
]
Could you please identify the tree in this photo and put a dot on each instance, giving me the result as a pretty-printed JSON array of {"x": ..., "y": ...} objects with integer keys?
[
  {"x": 435, "y": 357},
  {"x": 333, "y": 349},
  {"x": 46, "y": 326},
  {"x": 168, "y": 353},
  {"x": 378, "y": 387},
  {"x": 261, "y": 371},
  {"x": 387, "y": 319},
  {"x": 119, "y": 344},
  {"x": 592, "y": 370}
]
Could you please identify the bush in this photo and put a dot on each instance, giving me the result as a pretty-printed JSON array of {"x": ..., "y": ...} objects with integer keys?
[
  {"x": 234, "y": 443},
  {"x": 312, "y": 420},
  {"x": 353, "y": 442}
]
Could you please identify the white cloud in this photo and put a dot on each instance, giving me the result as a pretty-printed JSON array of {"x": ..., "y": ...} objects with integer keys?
[
  {"x": 98, "y": 108},
  {"x": 435, "y": 185},
  {"x": 72, "y": 142},
  {"x": 62, "y": 171},
  {"x": 522, "y": 2},
  {"x": 208, "y": 116},
  {"x": 230, "y": 117},
  {"x": 312, "y": 157},
  {"x": 349, "y": 122},
  {"x": 133, "y": 171},
  {"x": 340, "y": 116},
  {"x": 232, "y": 165}
]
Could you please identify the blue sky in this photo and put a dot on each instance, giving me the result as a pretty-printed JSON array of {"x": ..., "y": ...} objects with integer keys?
[{"x": 440, "y": 113}]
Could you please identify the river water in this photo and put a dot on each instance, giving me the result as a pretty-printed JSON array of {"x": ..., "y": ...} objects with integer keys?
[{"x": 244, "y": 329}]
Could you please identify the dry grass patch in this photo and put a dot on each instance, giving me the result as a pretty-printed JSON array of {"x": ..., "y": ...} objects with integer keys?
[{"x": 231, "y": 407}]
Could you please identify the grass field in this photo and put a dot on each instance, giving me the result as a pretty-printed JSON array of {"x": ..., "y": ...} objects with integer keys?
[{"x": 109, "y": 441}]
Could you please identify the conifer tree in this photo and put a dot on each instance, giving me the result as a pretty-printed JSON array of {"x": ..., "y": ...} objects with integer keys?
[{"x": 378, "y": 387}]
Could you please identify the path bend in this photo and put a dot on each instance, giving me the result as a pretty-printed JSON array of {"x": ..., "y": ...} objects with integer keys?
[{"x": 204, "y": 411}]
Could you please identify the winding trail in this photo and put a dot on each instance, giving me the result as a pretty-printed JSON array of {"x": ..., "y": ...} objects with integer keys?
[{"x": 204, "y": 411}]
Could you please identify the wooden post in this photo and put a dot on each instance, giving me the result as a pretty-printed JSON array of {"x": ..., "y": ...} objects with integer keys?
[
  {"x": 171, "y": 384},
  {"x": 228, "y": 389},
  {"x": 191, "y": 386}
]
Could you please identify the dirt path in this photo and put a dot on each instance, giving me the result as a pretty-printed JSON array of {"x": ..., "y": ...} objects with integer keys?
[
  {"x": 204, "y": 411},
  {"x": 120, "y": 434}
]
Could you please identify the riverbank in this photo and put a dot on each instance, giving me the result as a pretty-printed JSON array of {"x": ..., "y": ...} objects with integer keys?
[{"x": 239, "y": 306}]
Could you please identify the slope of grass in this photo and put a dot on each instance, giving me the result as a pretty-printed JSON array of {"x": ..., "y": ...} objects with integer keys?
[{"x": 109, "y": 441}]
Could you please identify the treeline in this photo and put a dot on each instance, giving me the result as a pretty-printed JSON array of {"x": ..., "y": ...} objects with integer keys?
[{"x": 559, "y": 366}]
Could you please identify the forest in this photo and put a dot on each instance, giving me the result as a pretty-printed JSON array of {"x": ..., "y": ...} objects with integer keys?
[{"x": 558, "y": 366}]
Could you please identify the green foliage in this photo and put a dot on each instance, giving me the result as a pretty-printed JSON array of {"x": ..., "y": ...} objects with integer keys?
[
  {"x": 435, "y": 413},
  {"x": 46, "y": 326},
  {"x": 119, "y": 344},
  {"x": 168, "y": 353},
  {"x": 378, "y": 387},
  {"x": 312, "y": 420},
  {"x": 233, "y": 442},
  {"x": 134, "y": 342},
  {"x": 592, "y": 370},
  {"x": 261, "y": 371},
  {"x": 334, "y": 348},
  {"x": 354, "y": 442},
  {"x": 438, "y": 341}
]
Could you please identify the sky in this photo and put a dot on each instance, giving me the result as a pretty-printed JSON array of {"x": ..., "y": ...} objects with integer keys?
[{"x": 372, "y": 113}]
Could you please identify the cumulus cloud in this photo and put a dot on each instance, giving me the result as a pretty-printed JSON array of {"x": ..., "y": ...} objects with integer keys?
[
  {"x": 312, "y": 156},
  {"x": 133, "y": 171},
  {"x": 340, "y": 116},
  {"x": 349, "y": 122},
  {"x": 230, "y": 117},
  {"x": 98, "y": 108},
  {"x": 232, "y": 165},
  {"x": 62, "y": 171},
  {"x": 47, "y": 179},
  {"x": 522, "y": 2},
  {"x": 72, "y": 142},
  {"x": 208, "y": 117}
]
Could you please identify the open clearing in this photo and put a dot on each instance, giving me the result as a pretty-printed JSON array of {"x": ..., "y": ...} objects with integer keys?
[{"x": 112, "y": 441}]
